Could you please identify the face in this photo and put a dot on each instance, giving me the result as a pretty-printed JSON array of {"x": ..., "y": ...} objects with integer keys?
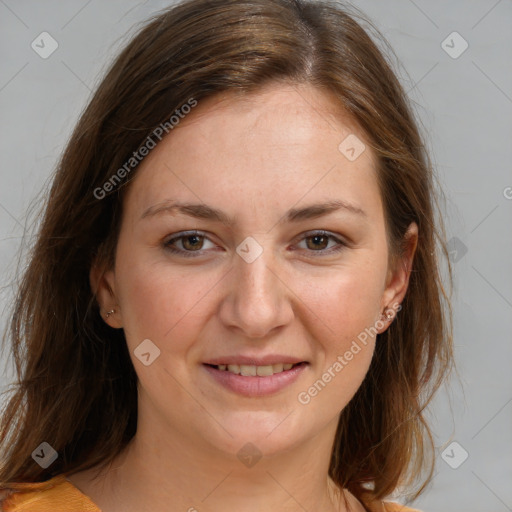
[{"x": 285, "y": 261}]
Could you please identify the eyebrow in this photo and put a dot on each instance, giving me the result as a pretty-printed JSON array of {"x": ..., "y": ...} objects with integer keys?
[{"x": 203, "y": 211}]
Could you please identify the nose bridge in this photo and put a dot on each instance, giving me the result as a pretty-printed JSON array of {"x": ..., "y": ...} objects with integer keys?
[
  {"x": 255, "y": 279},
  {"x": 257, "y": 297}
]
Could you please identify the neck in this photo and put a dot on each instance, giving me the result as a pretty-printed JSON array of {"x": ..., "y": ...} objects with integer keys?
[{"x": 175, "y": 474}]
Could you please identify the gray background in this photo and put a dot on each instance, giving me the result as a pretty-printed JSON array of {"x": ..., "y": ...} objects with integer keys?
[{"x": 465, "y": 106}]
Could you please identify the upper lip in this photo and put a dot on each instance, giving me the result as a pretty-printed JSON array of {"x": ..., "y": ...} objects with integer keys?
[{"x": 266, "y": 360}]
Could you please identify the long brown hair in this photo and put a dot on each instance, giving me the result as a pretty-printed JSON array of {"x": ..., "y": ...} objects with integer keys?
[{"x": 76, "y": 387}]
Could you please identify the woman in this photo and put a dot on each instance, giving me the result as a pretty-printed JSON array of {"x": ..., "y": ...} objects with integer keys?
[{"x": 234, "y": 299}]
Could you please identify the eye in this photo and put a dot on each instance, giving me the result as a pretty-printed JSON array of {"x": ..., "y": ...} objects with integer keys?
[
  {"x": 191, "y": 242},
  {"x": 318, "y": 241}
]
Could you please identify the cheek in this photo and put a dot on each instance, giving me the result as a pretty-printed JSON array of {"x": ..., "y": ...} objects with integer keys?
[
  {"x": 343, "y": 309},
  {"x": 160, "y": 303},
  {"x": 339, "y": 373},
  {"x": 342, "y": 303}
]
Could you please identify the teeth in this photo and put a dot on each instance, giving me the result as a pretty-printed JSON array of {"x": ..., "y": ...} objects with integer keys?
[
  {"x": 264, "y": 371},
  {"x": 247, "y": 371},
  {"x": 253, "y": 371},
  {"x": 234, "y": 368}
]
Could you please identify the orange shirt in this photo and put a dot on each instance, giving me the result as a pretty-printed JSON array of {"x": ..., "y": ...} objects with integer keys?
[{"x": 60, "y": 495}]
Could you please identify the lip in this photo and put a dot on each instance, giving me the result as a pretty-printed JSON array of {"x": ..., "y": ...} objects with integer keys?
[
  {"x": 256, "y": 386},
  {"x": 256, "y": 361}
]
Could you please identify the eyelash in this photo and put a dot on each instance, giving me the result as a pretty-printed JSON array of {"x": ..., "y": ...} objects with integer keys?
[{"x": 193, "y": 254}]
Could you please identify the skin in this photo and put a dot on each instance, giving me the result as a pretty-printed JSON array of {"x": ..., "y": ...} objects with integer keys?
[{"x": 254, "y": 158}]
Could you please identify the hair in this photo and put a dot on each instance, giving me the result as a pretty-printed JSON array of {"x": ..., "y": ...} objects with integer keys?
[{"x": 76, "y": 386}]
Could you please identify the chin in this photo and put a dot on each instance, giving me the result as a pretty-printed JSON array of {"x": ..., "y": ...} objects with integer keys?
[{"x": 270, "y": 432}]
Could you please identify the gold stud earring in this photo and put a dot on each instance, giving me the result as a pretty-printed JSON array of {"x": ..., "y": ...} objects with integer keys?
[{"x": 386, "y": 316}]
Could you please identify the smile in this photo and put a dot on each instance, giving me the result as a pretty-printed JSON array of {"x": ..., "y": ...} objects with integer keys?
[
  {"x": 253, "y": 371},
  {"x": 255, "y": 381}
]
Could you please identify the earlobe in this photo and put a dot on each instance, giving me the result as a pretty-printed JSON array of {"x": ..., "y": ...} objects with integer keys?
[{"x": 103, "y": 287}]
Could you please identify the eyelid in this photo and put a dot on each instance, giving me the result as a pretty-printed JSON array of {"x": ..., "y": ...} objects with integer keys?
[
  {"x": 183, "y": 234},
  {"x": 341, "y": 243},
  {"x": 320, "y": 232}
]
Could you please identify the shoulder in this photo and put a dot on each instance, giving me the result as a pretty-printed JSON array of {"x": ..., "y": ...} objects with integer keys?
[
  {"x": 396, "y": 507},
  {"x": 373, "y": 505},
  {"x": 388, "y": 506},
  {"x": 56, "y": 494}
]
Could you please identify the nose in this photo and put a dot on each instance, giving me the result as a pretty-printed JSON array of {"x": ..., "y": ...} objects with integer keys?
[{"x": 258, "y": 300}]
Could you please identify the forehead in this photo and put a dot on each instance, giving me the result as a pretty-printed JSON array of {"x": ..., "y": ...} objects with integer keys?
[
  {"x": 271, "y": 107},
  {"x": 283, "y": 140}
]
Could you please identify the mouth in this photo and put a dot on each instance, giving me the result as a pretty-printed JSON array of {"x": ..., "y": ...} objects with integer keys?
[
  {"x": 256, "y": 371},
  {"x": 255, "y": 381}
]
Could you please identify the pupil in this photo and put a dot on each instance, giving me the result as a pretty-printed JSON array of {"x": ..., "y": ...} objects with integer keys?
[
  {"x": 194, "y": 244},
  {"x": 318, "y": 238}
]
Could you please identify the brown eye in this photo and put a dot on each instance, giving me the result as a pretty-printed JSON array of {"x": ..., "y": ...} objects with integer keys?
[
  {"x": 188, "y": 244},
  {"x": 322, "y": 243},
  {"x": 317, "y": 242},
  {"x": 192, "y": 242}
]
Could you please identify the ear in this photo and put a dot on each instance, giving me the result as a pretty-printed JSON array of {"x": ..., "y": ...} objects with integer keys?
[
  {"x": 397, "y": 280},
  {"x": 103, "y": 287}
]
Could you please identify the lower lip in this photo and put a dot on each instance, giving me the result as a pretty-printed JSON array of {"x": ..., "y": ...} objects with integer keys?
[{"x": 256, "y": 386}]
